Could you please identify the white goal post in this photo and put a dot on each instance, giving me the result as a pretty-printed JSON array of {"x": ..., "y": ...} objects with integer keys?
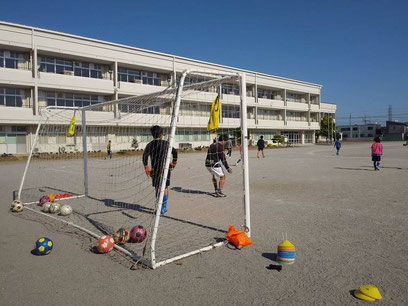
[{"x": 107, "y": 193}]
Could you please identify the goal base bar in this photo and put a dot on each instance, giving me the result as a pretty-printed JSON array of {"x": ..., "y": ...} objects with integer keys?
[{"x": 205, "y": 249}]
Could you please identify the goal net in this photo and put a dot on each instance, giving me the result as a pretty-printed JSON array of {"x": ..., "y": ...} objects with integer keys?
[{"x": 101, "y": 170}]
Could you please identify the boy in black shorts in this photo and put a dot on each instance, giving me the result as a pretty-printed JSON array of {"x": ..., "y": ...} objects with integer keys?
[
  {"x": 214, "y": 160},
  {"x": 157, "y": 150},
  {"x": 261, "y": 146}
]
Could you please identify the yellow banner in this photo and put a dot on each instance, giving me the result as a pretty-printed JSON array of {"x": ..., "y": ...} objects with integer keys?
[
  {"x": 214, "y": 115},
  {"x": 71, "y": 129}
]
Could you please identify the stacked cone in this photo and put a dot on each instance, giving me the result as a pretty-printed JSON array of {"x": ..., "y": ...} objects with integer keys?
[
  {"x": 286, "y": 253},
  {"x": 369, "y": 293}
]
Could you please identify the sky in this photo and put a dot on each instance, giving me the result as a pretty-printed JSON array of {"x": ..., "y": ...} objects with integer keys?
[{"x": 356, "y": 49}]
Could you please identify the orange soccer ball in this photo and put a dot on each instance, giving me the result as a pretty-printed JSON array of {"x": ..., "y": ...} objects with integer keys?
[{"x": 105, "y": 244}]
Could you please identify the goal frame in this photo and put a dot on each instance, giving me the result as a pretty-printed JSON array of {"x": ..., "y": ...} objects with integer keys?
[{"x": 153, "y": 263}]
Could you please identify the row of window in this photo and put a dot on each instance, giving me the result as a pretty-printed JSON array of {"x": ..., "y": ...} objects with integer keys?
[
  {"x": 69, "y": 99},
  {"x": 230, "y": 111},
  {"x": 137, "y": 108},
  {"x": 194, "y": 109},
  {"x": 60, "y": 66},
  {"x": 14, "y": 60},
  {"x": 11, "y": 97},
  {"x": 188, "y": 135},
  {"x": 356, "y": 135},
  {"x": 296, "y": 116},
  {"x": 268, "y": 94},
  {"x": 141, "y": 77},
  {"x": 369, "y": 128},
  {"x": 293, "y": 97},
  {"x": 267, "y": 114}
]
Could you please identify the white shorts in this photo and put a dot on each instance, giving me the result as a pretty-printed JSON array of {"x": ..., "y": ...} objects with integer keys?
[{"x": 217, "y": 171}]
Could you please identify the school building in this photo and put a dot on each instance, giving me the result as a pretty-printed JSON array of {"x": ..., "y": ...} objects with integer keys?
[{"x": 40, "y": 68}]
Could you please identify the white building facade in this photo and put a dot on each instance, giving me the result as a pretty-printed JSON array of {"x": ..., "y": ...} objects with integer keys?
[
  {"x": 40, "y": 68},
  {"x": 359, "y": 131}
]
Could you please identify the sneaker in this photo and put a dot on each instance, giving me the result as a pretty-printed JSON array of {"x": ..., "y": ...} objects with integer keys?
[{"x": 221, "y": 194}]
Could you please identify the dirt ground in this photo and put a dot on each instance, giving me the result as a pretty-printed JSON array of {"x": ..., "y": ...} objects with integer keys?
[{"x": 347, "y": 221}]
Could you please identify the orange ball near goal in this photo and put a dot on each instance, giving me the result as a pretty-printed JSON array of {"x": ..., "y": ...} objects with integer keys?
[{"x": 105, "y": 244}]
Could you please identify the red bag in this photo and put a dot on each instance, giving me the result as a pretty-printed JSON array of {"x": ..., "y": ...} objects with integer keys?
[{"x": 237, "y": 238}]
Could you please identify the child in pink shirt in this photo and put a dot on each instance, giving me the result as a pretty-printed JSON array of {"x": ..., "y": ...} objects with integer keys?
[{"x": 376, "y": 153}]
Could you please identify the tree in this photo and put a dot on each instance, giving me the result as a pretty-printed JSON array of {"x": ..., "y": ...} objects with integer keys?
[
  {"x": 326, "y": 125},
  {"x": 278, "y": 138}
]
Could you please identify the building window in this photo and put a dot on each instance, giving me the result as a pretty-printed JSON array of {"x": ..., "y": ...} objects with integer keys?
[
  {"x": 14, "y": 60},
  {"x": 194, "y": 109},
  {"x": 292, "y": 97},
  {"x": 355, "y": 129},
  {"x": 230, "y": 112},
  {"x": 54, "y": 65},
  {"x": 296, "y": 116},
  {"x": 11, "y": 97},
  {"x": 345, "y": 129},
  {"x": 129, "y": 75},
  {"x": 267, "y": 94},
  {"x": 183, "y": 135},
  {"x": 370, "y": 128},
  {"x": 150, "y": 78},
  {"x": 88, "y": 70},
  {"x": 135, "y": 108},
  {"x": 69, "y": 99},
  {"x": 314, "y": 99},
  {"x": 268, "y": 114},
  {"x": 142, "y": 77},
  {"x": 230, "y": 89}
]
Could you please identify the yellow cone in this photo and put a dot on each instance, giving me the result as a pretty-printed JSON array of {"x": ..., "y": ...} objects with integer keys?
[
  {"x": 371, "y": 291},
  {"x": 359, "y": 295}
]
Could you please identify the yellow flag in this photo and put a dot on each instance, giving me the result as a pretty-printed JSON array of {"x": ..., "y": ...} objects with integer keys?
[
  {"x": 71, "y": 129},
  {"x": 214, "y": 115}
]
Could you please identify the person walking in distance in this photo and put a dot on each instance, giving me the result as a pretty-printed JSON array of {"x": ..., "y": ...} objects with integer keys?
[
  {"x": 109, "y": 149},
  {"x": 337, "y": 145},
  {"x": 376, "y": 153},
  {"x": 214, "y": 160},
  {"x": 157, "y": 151},
  {"x": 261, "y": 145}
]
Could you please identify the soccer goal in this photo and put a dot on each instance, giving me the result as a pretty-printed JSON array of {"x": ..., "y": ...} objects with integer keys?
[{"x": 96, "y": 159}]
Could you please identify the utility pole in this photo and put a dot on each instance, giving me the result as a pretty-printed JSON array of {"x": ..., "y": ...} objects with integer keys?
[{"x": 390, "y": 112}]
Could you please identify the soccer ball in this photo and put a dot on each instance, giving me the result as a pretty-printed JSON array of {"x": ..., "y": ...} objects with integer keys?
[
  {"x": 43, "y": 200},
  {"x": 46, "y": 207},
  {"x": 51, "y": 196},
  {"x": 17, "y": 206},
  {"x": 105, "y": 244},
  {"x": 138, "y": 233},
  {"x": 55, "y": 208},
  {"x": 65, "y": 210},
  {"x": 43, "y": 246},
  {"x": 121, "y": 236}
]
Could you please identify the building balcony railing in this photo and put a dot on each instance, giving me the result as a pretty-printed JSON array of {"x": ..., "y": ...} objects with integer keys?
[
  {"x": 271, "y": 123},
  {"x": 279, "y": 104},
  {"x": 297, "y": 106}
]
